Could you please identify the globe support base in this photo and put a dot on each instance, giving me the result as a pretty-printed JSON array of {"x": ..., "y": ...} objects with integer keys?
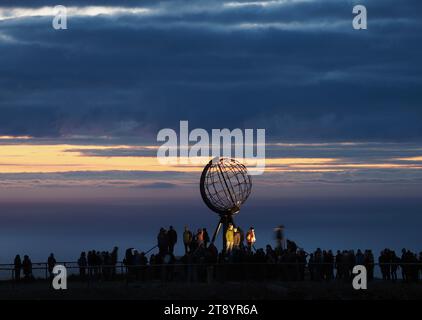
[{"x": 225, "y": 221}]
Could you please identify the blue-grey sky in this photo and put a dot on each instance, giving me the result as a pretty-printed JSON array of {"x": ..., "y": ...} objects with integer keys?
[{"x": 296, "y": 68}]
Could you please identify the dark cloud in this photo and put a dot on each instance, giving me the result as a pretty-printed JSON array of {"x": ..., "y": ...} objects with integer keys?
[
  {"x": 298, "y": 70},
  {"x": 38, "y": 3}
]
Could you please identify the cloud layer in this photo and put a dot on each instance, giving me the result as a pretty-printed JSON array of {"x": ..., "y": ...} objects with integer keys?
[{"x": 296, "y": 68}]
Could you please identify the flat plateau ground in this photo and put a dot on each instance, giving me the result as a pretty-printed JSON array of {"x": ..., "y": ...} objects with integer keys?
[{"x": 39, "y": 290}]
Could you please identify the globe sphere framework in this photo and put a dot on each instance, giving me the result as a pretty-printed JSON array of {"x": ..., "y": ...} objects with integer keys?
[{"x": 225, "y": 185}]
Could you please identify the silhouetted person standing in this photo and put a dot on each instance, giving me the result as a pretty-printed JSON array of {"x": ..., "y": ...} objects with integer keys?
[
  {"x": 206, "y": 237},
  {"x": 187, "y": 239},
  {"x": 51, "y": 262},
  {"x": 395, "y": 262},
  {"x": 27, "y": 267},
  {"x": 339, "y": 265},
  {"x": 199, "y": 238},
  {"x": 420, "y": 264},
  {"x": 18, "y": 267},
  {"x": 98, "y": 261},
  {"x": 212, "y": 253},
  {"x": 329, "y": 260},
  {"x": 279, "y": 235},
  {"x": 162, "y": 241},
  {"x": 311, "y": 266},
  {"x": 242, "y": 237},
  {"x": 403, "y": 266},
  {"x": 172, "y": 239},
  {"x": 113, "y": 260},
  {"x": 301, "y": 259},
  {"x": 250, "y": 238},
  {"x": 383, "y": 261},
  {"x": 143, "y": 264},
  {"x": 128, "y": 261},
  {"x": 369, "y": 264},
  {"x": 82, "y": 263},
  {"x": 236, "y": 239},
  {"x": 91, "y": 263}
]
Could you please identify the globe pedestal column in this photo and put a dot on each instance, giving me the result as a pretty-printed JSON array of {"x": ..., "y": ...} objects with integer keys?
[{"x": 225, "y": 221}]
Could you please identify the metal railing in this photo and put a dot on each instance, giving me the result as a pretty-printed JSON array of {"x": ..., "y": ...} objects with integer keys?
[{"x": 295, "y": 271}]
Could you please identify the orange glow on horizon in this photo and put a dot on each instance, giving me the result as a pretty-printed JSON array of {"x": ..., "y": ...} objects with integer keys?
[
  {"x": 29, "y": 158},
  {"x": 15, "y": 137},
  {"x": 417, "y": 158}
]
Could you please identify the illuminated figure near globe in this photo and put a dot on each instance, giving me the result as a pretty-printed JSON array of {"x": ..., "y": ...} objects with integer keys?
[{"x": 225, "y": 185}]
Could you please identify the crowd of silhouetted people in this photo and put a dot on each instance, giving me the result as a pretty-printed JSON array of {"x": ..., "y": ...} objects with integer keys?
[
  {"x": 97, "y": 264},
  {"x": 24, "y": 267},
  {"x": 239, "y": 260}
]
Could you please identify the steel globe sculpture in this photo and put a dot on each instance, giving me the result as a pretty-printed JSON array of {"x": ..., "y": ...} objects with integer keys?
[{"x": 225, "y": 186}]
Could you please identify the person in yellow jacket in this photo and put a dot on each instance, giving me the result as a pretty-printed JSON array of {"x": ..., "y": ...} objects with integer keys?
[
  {"x": 250, "y": 238},
  {"x": 229, "y": 238},
  {"x": 187, "y": 239}
]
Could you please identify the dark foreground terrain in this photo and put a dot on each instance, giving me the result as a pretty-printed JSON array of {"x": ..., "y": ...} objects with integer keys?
[{"x": 40, "y": 290}]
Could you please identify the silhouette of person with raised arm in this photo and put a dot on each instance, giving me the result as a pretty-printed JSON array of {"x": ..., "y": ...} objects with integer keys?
[
  {"x": 17, "y": 267},
  {"x": 143, "y": 265},
  {"x": 172, "y": 239}
]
